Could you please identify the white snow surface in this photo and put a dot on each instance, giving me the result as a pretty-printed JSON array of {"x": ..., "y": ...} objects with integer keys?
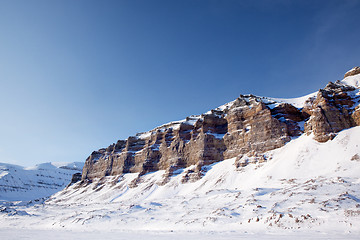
[
  {"x": 11, "y": 234},
  {"x": 296, "y": 102},
  {"x": 28, "y": 183},
  {"x": 305, "y": 188},
  {"x": 352, "y": 80}
]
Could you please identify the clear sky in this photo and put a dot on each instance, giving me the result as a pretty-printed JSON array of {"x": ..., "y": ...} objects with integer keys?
[{"x": 76, "y": 76}]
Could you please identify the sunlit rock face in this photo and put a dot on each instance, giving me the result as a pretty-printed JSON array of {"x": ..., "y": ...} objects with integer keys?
[
  {"x": 248, "y": 125},
  {"x": 254, "y": 126},
  {"x": 331, "y": 111}
]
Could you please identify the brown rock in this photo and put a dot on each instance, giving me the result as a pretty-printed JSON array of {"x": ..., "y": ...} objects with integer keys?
[
  {"x": 330, "y": 112},
  {"x": 247, "y": 126},
  {"x": 352, "y": 72},
  {"x": 356, "y": 116},
  {"x": 244, "y": 129},
  {"x": 252, "y": 127}
]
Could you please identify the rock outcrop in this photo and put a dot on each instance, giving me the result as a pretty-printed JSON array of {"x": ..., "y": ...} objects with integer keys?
[
  {"x": 249, "y": 125},
  {"x": 331, "y": 111},
  {"x": 354, "y": 71},
  {"x": 76, "y": 177}
]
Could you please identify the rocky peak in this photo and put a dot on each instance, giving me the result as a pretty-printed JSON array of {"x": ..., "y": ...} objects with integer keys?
[{"x": 352, "y": 72}]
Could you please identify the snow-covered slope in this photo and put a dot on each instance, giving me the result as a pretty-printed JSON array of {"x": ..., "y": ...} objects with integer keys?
[
  {"x": 19, "y": 183},
  {"x": 352, "y": 80},
  {"x": 305, "y": 184}
]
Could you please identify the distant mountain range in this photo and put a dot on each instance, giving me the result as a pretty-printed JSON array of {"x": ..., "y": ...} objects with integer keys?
[{"x": 20, "y": 183}]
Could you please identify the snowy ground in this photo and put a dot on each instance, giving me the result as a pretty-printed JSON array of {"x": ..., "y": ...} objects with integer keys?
[{"x": 11, "y": 234}]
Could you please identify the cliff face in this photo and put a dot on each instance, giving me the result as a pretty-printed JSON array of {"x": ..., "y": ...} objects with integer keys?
[
  {"x": 249, "y": 125},
  {"x": 245, "y": 125},
  {"x": 331, "y": 111}
]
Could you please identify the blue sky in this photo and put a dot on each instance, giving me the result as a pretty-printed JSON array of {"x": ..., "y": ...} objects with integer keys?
[{"x": 76, "y": 76}]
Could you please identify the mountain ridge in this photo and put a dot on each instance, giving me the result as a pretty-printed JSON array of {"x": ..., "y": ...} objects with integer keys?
[
  {"x": 19, "y": 183},
  {"x": 248, "y": 125}
]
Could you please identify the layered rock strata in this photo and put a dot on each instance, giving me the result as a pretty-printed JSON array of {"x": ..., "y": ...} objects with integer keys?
[
  {"x": 331, "y": 111},
  {"x": 249, "y": 125}
]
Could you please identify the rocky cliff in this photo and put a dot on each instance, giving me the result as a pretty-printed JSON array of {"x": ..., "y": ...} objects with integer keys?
[
  {"x": 249, "y": 125},
  {"x": 331, "y": 111}
]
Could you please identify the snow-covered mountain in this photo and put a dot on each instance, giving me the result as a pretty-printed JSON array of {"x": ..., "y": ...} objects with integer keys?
[
  {"x": 28, "y": 183},
  {"x": 254, "y": 164},
  {"x": 305, "y": 184}
]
